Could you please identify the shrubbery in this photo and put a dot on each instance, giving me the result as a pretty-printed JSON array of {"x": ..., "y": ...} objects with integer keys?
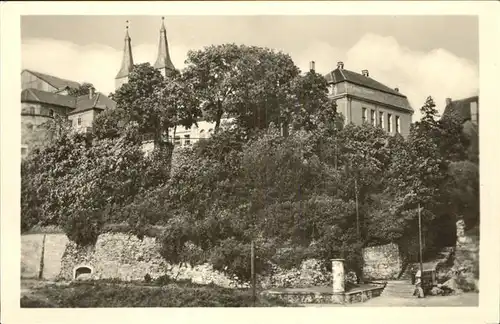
[{"x": 291, "y": 189}]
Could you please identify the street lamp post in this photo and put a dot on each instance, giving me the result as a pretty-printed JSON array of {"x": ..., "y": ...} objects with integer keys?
[
  {"x": 357, "y": 207},
  {"x": 420, "y": 243},
  {"x": 252, "y": 272}
]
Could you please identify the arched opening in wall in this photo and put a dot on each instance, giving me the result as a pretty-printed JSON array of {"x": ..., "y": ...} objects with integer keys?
[{"x": 82, "y": 270}]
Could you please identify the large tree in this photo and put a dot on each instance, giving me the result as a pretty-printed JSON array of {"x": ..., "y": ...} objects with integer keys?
[
  {"x": 245, "y": 82},
  {"x": 308, "y": 102},
  {"x": 416, "y": 176},
  {"x": 154, "y": 104},
  {"x": 82, "y": 90}
]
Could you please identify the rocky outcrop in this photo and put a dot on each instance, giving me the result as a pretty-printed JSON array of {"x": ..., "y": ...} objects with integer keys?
[{"x": 465, "y": 268}]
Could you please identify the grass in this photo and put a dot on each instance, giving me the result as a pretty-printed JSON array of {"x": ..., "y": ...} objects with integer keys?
[{"x": 113, "y": 294}]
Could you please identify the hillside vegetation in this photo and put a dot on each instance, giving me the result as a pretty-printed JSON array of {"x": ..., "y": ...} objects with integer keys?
[{"x": 285, "y": 174}]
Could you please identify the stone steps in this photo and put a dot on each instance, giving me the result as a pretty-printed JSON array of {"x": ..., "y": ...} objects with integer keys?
[{"x": 398, "y": 288}]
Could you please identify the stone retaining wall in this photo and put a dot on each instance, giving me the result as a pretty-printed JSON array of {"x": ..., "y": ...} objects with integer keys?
[
  {"x": 31, "y": 255},
  {"x": 126, "y": 257},
  {"x": 382, "y": 262}
]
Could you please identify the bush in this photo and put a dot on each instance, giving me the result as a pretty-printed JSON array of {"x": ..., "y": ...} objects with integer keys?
[
  {"x": 84, "y": 227},
  {"x": 163, "y": 280},
  {"x": 291, "y": 257},
  {"x": 233, "y": 257}
]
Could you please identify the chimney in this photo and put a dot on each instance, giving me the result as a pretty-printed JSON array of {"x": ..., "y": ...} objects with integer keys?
[
  {"x": 448, "y": 101},
  {"x": 365, "y": 73},
  {"x": 473, "y": 112},
  {"x": 340, "y": 65},
  {"x": 312, "y": 66},
  {"x": 397, "y": 89},
  {"x": 91, "y": 92}
]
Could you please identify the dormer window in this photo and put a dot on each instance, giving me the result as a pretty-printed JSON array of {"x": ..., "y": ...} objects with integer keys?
[{"x": 332, "y": 89}]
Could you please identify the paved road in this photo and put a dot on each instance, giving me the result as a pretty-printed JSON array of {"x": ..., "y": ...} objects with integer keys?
[{"x": 466, "y": 299}]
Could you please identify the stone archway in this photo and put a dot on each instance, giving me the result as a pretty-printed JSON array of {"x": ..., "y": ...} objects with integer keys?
[{"x": 86, "y": 270}]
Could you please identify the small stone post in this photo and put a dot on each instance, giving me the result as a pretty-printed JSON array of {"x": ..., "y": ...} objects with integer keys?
[{"x": 338, "y": 281}]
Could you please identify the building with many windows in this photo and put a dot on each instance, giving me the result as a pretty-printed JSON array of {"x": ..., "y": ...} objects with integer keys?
[
  {"x": 40, "y": 106},
  {"x": 362, "y": 99},
  {"x": 359, "y": 97}
]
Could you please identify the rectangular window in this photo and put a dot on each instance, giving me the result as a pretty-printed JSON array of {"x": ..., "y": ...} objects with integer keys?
[
  {"x": 187, "y": 140},
  {"x": 398, "y": 125},
  {"x": 389, "y": 123},
  {"x": 381, "y": 119},
  {"x": 32, "y": 110},
  {"x": 177, "y": 140},
  {"x": 79, "y": 121},
  {"x": 365, "y": 117},
  {"x": 372, "y": 117}
]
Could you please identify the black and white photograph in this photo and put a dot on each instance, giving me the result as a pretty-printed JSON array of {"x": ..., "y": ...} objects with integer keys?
[{"x": 249, "y": 160}]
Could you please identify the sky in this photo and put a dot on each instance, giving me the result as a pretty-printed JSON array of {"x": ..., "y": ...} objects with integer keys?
[{"x": 423, "y": 56}]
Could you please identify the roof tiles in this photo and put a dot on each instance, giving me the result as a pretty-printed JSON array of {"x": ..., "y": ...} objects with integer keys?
[
  {"x": 56, "y": 82},
  {"x": 341, "y": 75},
  {"x": 78, "y": 104}
]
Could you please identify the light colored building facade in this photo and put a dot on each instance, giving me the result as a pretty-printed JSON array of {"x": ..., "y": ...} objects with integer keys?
[{"x": 362, "y": 99}]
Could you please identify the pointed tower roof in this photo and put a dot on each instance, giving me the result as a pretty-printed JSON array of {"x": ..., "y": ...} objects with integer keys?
[
  {"x": 163, "y": 60},
  {"x": 128, "y": 61}
]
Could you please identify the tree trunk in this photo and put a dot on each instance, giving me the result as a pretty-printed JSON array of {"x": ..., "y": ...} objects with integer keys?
[{"x": 218, "y": 117}]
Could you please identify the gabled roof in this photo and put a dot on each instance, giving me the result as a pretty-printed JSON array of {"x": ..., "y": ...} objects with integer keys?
[
  {"x": 35, "y": 95},
  {"x": 76, "y": 104},
  {"x": 460, "y": 108},
  {"x": 341, "y": 75},
  {"x": 98, "y": 101},
  {"x": 56, "y": 82}
]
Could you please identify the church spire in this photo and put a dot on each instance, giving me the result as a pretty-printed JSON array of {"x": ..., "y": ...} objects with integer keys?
[
  {"x": 127, "y": 62},
  {"x": 163, "y": 61}
]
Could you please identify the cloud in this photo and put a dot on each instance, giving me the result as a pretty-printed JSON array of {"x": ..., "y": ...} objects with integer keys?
[
  {"x": 437, "y": 73},
  {"x": 97, "y": 64}
]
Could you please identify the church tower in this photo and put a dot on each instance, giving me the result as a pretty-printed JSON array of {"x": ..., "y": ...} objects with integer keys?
[
  {"x": 163, "y": 61},
  {"x": 127, "y": 62}
]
